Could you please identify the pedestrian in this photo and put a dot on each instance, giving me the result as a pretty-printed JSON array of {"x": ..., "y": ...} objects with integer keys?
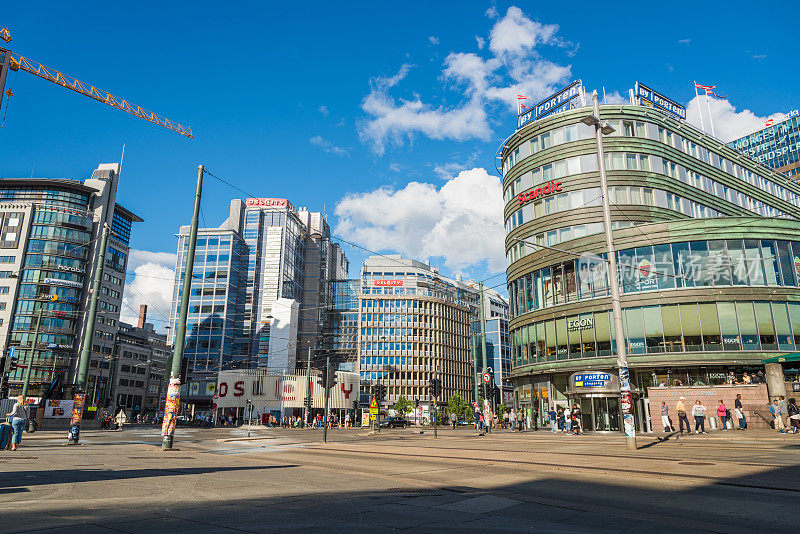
[
  {"x": 699, "y": 413},
  {"x": 794, "y": 416},
  {"x": 505, "y": 419},
  {"x": 722, "y": 413},
  {"x": 512, "y": 419},
  {"x": 665, "y": 417},
  {"x": 576, "y": 420},
  {"x": 553, "y": 421},
  {"x": 453, "y": 420},
  {"x": 18, "y": 417},
  {"x": 777, "y": 421},
  {"x": 682, "y": 418},
  {"x": 121, "y": 419},
  {"x": 536, "y": 419},
  {"x": 476, "y": 418},
  {"x": 739, "y": 409},
  {"x": 567, "y": 420},
  {"x": 782, "y": 410}
]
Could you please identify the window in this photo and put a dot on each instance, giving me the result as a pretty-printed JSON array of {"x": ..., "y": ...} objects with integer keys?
[
  {"x": 690, "y": 321},
  {"x": 766, "y": 327}
]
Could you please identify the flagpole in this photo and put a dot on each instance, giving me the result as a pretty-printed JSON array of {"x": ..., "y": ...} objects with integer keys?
[
  {"x": 710, "y": 118},
  {"x": 699, "y": 108}
]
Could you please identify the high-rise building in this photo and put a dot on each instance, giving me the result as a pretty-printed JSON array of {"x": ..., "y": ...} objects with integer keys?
[
  {"x": 708, "y": 254},
  {"x": 340, "y": 324},
  {"x": 498, "y": 356},
  {"x": 777, "y": 145},
  {"x": 414, "y": 326},
  {"x": 49, "y": 244},
  {"x": 259, "y": 288}
]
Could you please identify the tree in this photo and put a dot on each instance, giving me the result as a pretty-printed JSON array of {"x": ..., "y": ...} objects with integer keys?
[
  {"x": 502, "y": 409},
  {"x": 403, "y": 407},
  {"x": 458, "y": 406}
]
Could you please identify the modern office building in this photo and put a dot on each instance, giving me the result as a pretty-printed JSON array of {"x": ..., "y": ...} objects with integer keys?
[
  {"x": 340, "y": 324},
  {"x": 414, "y": 326},
  {"x": 498, "y": 357},
  {"x": 49, "y": 244},
  {"x": 259, "y": 286},
  {"x": 777, "y": 145},
  {"x": 709, "y": 261}
]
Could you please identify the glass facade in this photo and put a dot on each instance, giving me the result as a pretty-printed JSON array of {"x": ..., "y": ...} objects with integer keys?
[{"x": 776, "y": 146}]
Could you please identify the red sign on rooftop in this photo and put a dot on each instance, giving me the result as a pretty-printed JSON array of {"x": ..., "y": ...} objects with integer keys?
[
  {"x": 387, "y": 283},
  {"x": 268, "y": 202}
]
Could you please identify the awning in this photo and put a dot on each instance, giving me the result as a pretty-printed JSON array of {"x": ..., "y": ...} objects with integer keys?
[{"x": 794, "y": 357}]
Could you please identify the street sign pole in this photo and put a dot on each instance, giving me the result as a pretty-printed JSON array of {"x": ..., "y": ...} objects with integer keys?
[{"x": 327, "y": 391}]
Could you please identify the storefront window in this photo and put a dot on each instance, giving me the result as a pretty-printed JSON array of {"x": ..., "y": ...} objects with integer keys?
[
  {"x": 794, "y": 315},
  {"x": 663, "y": 265},
  {"x": 747, "y": 325},
  {"x": 781, "y": 317},
  {"x": 653, "y": 331},
  {"x": 628, "y": 271},
  {"x": 766, "y": 328},
  {"x": 561, "y": 339},
  {"x": 602, "y": 332},
  {"x": 709, "y": 322},
  {"x": 755, "y": 267},
  {"x": 737, "y": 261},
  {"x": 771, "y": 269},
  {"x": 635, "y": 329},
  {"x": 550, "y": 331},
  {"x": 587, "y": 336},
  {"x": 574, "y": 336},
  {"x": 729, "y": 327},
  {"x": 700, "y": 263},
  {"x": 719, "y": 268},
  {"x": 786, "y": 263},
  {"x": 541, "y": 345},
  {"x": 683, "y": 265},
  {"x": 672, "y": 329},
  {"x": 690, "y": 321}
]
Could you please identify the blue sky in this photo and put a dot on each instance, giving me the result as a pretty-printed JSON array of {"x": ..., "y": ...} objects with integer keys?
[{"x": 325, "y": 102}]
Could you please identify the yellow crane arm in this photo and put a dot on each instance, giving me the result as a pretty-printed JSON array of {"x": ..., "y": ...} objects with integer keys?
[{"x": 17, "y": 62}]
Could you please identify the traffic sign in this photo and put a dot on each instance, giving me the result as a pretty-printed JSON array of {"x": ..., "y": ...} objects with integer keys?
[
  {"x": 373, "y": 404},
  {"x": 487, "y": 377}
]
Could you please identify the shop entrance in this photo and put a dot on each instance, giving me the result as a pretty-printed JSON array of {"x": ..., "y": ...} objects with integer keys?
[{"x": 600, "y": 414}]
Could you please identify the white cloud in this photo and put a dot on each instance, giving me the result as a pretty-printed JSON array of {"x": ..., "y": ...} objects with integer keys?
[
  {"x": 460, "y": 222},
  {"x": 729, "y": 124},
  {"x": 324, "y": 110},
  {"x": 759, "y": 56},
  {"x": 684, "y": 41},
  {"x": 481, "y": 42},
  {"x": 152, "y": 284},
  {"x": 433, "y": 40},
  {"x": 328, "y": 147},
  {"x": 616, "y": 98},
  {"x": 513, "y": 66},
  {"x": 394, "y": 167}
]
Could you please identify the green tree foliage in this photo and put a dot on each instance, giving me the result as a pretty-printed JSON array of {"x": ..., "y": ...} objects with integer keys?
[
  {"x": 403, "y": 407},
  {"x": 458, "y": 406}
]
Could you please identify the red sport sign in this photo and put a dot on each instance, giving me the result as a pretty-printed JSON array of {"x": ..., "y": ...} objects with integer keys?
[
  {"x": 548, "y": 189},
  {"x": 268, "y": 202},
  {"x": 388, "y": 283}
]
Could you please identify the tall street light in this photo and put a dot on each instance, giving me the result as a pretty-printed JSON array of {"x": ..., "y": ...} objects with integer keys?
[{"x": 603, "y": 128}]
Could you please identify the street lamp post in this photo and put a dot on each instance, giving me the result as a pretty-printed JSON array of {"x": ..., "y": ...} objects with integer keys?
[{"x": 613, "y": 278}]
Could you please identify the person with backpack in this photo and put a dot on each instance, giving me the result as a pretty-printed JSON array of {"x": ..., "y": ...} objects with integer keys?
[
  {"x": 794, "y": 416},
  {"x": 18, "y": 417}
]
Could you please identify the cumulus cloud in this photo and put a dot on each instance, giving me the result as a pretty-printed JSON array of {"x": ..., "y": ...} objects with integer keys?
[
  {"x": 480, "y": 41},
  {"x": 461, "y": 221},
  {"x": 152, "y": 284},
  {"x": 327, "y": 146},
  {"x": 512, "y": 66},
  {"x": 729, "y": 124},
  {"x": 616, "y": 98}
]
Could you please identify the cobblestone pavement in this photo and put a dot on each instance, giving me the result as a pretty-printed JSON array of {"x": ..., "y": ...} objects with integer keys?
[{"x": 278, "y": 480}]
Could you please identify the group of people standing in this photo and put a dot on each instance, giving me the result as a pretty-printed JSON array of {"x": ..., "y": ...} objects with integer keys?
[
  {"x": 566, "y": 421},
  {"x": 785, "y": 415},
  {"x": 698, "y": 412}
]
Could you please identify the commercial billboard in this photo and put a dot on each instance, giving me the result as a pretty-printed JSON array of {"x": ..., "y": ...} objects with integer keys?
[
  {"x": 235, "y": 388},
  {"x": 645, "y": 96},
  {"x": 565, "y": 99}
]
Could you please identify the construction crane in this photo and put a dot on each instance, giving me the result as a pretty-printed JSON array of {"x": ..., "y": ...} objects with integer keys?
[{"x": 15, "y": 62}]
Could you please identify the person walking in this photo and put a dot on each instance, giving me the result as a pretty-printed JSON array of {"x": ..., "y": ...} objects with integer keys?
[
  {"x": 512, "y": 419},
  {"x": 739, "y": 409},
  {"x": 536, "y": 419},
  {"x": 453, "y": 420},
  {"x": 505, "y": 419},
  {"x": 576, "y": 420},
  {"x": 682, "y": 418},
  {"x": 794, "y": 416},
  {"x": 722, "y": 413},
  {"x": 777, "y": 420},
  {"x": 18, "y": 417},
  {"x": 782, "y": 410},
  {"x": 553, "y": 421},
  {"x": 665, "y": 417},
  {"x": 699, "y": 413}
]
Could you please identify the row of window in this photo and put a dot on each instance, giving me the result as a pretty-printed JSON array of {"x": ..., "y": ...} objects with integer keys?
[
  {"x": 708, "y": 327},
  {"x": 553, "y": 237},
  {"x": 44, "y": 216},
  {"x": 652, "y": 131},
  {"x": 117, "y": 281},
  {"x": 719, "y": 263},
  {"x": 70, "y": 198},
  {"x": 581, "y": 198}
]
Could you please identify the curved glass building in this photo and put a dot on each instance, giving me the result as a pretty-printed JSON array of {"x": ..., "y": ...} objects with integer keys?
[{"x": 709, "y": 261}]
